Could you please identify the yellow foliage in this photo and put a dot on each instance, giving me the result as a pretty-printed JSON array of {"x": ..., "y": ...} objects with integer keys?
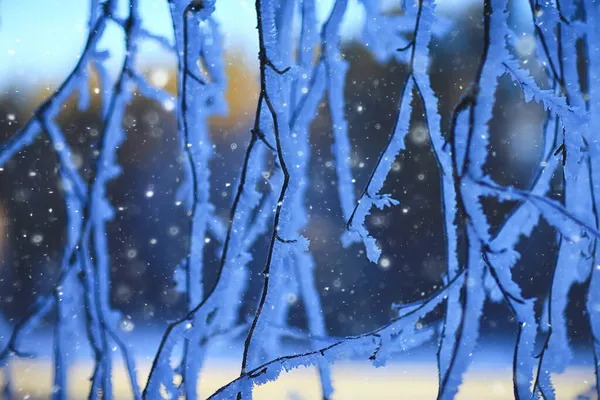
[{"x": 241, "y": 93}]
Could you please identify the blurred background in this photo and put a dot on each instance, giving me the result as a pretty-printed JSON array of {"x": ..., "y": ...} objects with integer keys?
[{"x": 40, "y": 42}]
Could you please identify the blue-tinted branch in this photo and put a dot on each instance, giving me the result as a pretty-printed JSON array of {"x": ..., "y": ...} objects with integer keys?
[{"x": 359, "y": 345}]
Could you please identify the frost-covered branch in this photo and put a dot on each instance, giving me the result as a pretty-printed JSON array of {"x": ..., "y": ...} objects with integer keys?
[
  {"x": 51, "y": 107},
  {"x": 86, "y": 251},
  {"x": 196, "y": 36},
  {"x": 370, "y": 196},
  {"x": 361, "y": 345},
  {"x": 298, "y": 72}
]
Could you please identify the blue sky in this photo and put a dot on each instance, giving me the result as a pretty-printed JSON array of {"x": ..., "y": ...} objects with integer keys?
[{"x": 40, "y": 40}]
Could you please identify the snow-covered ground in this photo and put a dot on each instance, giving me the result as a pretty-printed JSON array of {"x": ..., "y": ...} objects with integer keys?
[
  {"x": 352, "y": 379},
  {"x": 411, "y": 376}
]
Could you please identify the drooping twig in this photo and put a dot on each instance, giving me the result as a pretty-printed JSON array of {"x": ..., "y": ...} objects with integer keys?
[{"x": 347, "y": 347}]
